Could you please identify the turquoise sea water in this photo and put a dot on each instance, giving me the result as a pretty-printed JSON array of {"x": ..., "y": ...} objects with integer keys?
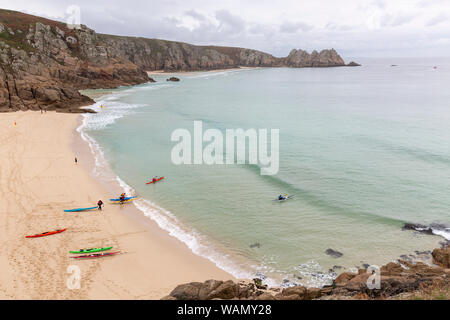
[{"x": 363, "y": 150}]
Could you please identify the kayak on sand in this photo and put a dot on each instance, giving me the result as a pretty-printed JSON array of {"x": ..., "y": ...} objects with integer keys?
[
  {"x": 80, "y": 209},
  {"x": 125, "y": 199},
  {"x": 96, "y": 255},
  {"x": 91, "y": 250},
  {"x": 46, "y": 233}
]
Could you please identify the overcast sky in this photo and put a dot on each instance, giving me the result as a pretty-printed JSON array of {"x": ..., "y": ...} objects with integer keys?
[{"x": 356, "y": 28}]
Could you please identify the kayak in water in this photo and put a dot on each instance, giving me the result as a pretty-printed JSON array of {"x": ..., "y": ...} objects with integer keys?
[
  {"x": 155, "y": 180},
  {"x": 284, "y": 197},
  {"x": 80, "y": 209},
  {"x": 91, "y": 250},
  {"x": 48, "y": 233},
  {"x": 96, "y": 255}
]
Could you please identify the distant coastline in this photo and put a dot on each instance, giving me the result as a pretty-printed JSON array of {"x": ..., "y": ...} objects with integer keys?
[{"x": 78, "y": 59}]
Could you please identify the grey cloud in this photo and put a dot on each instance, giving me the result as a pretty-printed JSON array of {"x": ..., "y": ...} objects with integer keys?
[
  {"x": 274, "y": 27},
  {"x": 339, "y": 27},
  {"x": 381, "y": 4},
  {"x": 437, "y": 19},
  {"x": 396, "y": 20},
  {"x": 194, "y": 14},
  {"x": 230, "y": 21},
  {"x": 292, "y": 27},
  {"x": 431, "y": 3}
]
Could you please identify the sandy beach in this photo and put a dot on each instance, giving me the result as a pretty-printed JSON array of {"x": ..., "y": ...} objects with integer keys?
[{"x": 38, "y": 180}]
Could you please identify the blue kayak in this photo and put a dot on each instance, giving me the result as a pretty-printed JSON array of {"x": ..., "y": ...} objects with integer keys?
[
  {"x": 286, "y": 197},
  {"x": 125, "y": 199},
  {"x": 80, "y": 209}
]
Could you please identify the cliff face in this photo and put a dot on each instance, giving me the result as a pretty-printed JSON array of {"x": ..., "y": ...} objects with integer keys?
[
  {"x": 43, "y": 64},
  {"x": 325, "y": 58}
]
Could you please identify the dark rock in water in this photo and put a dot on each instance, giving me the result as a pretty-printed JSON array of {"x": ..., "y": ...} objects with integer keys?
[
  {"x": 393, "y": 65},
  {"x": 175, "y": 79},
  {"x": 366, "y": 265},
  {"x": 334, "y": 253},
  {"x": 337, "y": 267},
  {"x": 319, "y": 275},
  {"x": 151, "y": 79},
  {"x": 260, "y": 276},
  {"x": 444, "y": 244},
  {"x": 332, "y": 273},
  {"x": 418, "y": 227},
  {"x": 421, "y": 252},
  {"x": 353, "y": 64},
  {"x": 255, "y": 245}
]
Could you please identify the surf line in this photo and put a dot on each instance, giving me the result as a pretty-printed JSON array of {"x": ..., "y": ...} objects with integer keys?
[{"x": 189, "y": 149}]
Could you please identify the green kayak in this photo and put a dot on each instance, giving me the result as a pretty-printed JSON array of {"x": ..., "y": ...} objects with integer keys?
[{"x": 91, "y": 250}]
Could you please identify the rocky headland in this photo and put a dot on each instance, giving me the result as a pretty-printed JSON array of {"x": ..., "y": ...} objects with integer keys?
[
  {"x": 43, "y": 63},
  {"x": 398, "y": 280}
]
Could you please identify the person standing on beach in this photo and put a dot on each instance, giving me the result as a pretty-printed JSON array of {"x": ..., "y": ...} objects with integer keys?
[
  {"x": 100, "y": 204},
  {"x": 76, "y": 160}
]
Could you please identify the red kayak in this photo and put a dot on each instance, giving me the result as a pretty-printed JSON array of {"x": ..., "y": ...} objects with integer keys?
[
  {"x": 48, "y": 233},
  {"x": 156, "y": 180},
  {"x": 96, "y": 255}
]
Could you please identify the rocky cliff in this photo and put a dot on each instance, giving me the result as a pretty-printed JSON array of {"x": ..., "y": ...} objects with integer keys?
[{"x": 43, "y": 63}]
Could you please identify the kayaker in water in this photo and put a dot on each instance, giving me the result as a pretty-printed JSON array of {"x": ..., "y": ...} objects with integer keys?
[
  {"x": 100, "y": 204},
  {"x": 281, "y": 197},
  {"x": 122, "y": 197},
  {"x": 154, "y": 179}
]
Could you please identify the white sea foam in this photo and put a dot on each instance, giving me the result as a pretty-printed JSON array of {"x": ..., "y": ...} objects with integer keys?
[
  {"x": 196, "y": 242},
  {"x": 110, "y": 113},
  {"x": 313, "y": 275},
  {"x": 445, "y": 233},
  {"x": 435, "y": 228}
]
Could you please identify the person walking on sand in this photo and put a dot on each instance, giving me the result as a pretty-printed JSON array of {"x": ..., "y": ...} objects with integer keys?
[
  {"x": 100, "y": 204},
  {"x": 76, "y": 160},
  {"x": 122, "y": 198}
]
